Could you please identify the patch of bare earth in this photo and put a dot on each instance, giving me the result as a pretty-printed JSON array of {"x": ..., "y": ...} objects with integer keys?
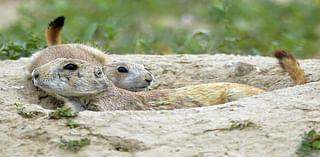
[{"x": 269, "y": 124}]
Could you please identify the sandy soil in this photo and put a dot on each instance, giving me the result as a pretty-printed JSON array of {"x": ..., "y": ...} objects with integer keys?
[{"x": 274, "y": 122}]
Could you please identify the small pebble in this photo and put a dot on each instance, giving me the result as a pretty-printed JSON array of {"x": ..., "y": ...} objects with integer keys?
[
  {"x": 17, "y": 87},
  {"x": 234, "y": 109}
]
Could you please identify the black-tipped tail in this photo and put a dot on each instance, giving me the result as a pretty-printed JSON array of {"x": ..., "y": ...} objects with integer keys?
[
  {"x": 280, "y": 54},
  {"x": 57, "y": 22},
  {"x": 289, "y": 63},
  {"x": 53, "y": 31}
]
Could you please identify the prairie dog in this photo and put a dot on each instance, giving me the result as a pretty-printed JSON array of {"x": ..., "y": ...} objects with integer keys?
[
  {"x": 130, "y": 76},
  {"x": 82, "y": 85}
]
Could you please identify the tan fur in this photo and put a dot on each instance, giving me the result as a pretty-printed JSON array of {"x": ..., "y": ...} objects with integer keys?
[
  {"x": 200, "y": 95},
  {"x": 139, "y": 77},
  {"x": 53, "y": 32},
  {"x": 291, "y": 65},
  {"x": 72, "y": 51},
  {"x": 52, "y": 77}
]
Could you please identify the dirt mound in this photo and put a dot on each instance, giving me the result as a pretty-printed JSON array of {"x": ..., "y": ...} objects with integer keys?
[{"x": 270, "y": 124}]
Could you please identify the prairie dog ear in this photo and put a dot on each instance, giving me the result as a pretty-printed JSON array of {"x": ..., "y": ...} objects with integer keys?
[
  {"x": 100, "y": 77},
  {"x": 98, "y": 72},
  {"x": 106, "y": 73}
]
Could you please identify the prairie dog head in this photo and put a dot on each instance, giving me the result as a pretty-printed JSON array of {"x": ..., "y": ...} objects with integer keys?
[
  {"x": 136, "y": 79},
  {"x": 70, "y": 77},
  {"x": 130, "y": 76},
  {"x": 71, "y": 51}
]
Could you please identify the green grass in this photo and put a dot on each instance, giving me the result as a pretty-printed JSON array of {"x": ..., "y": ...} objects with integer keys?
[
  {"x": 21, "y": 110},
  {"x": 74, "y": 145},
  {"x": 72, "y": 124},
  {"x": 310, "y": 144},
  {"x": 166, "y": 27},
  {"x": 63, "y": 112},
  {"x": 240, "y": 125},
  {"x": 15, "y": 50}
]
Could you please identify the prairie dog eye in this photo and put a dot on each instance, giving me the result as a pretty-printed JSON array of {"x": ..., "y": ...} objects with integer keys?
[
  {"x": 70, "y": 66},
  {"x": 122, "y": 70}
]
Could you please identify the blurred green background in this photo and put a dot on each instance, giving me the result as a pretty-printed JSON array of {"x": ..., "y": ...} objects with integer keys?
[{"x": 170, "y": 26}]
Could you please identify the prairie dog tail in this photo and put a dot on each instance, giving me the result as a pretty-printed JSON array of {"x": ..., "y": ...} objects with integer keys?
[
  {"x": 53, "y": 32},
  {"x": 291, "y": 65}
]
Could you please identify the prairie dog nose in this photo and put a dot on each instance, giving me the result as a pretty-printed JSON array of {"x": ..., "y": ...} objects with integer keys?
[
  {"x": 149, "y": 78},
  {"x": 35, "y": 74}
]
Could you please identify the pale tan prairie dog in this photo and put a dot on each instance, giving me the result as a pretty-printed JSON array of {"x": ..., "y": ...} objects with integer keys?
[
  {"x": 130, "y": 76},
  {"x": 82, "y": 85}
]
